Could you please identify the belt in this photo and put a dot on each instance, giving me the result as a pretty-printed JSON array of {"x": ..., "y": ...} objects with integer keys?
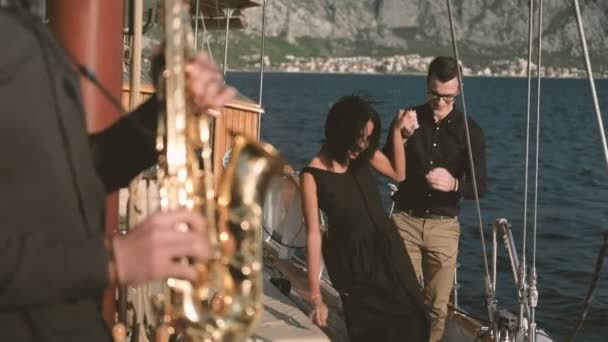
[{"x": 426, "y": 215}]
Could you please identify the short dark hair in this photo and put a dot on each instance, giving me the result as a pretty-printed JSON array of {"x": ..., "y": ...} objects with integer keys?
[
  {"x": 443, "y": 68},
  {"x": 344, "y": 125}
]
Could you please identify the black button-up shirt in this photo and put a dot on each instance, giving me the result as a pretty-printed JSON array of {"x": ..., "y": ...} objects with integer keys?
[{"x": 441, "y": 144}]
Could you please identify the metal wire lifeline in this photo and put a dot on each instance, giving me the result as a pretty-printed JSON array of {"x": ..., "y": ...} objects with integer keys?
[
  {"x": 596, "y": 106},
  {"x": 533, "y": 292},
  {"x": 228, "y": 15},
  {"x": 604, "y": 248},
  {"x": 538, "y": 88},
  {"x": 592, "y": 287},
  {"x": 196, "y": 14},
  {"x": 262, "y": 52},
  {"x": 262, "y": 55},
  {"x": 199, "y": 12},
  {"x": 522, "y": 282},
  {"x": 469, "y": 151}
]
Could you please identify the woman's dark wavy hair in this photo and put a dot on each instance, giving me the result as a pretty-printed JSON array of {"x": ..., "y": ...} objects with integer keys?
[{"x": 345, "y": 124}]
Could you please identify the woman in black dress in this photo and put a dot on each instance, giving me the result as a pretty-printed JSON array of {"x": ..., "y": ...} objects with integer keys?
[{"x": 365, "y": 258}]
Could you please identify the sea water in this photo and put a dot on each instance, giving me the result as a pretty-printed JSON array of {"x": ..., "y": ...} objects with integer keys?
[{"x": 571, "y": 195}]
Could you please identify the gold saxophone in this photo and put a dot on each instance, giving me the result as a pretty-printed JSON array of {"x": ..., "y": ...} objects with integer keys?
[{"x": 224, "y": 304}]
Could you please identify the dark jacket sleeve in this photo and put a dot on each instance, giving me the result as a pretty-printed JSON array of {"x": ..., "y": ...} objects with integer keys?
[
  {"x": 34, "y": 260},
  {"x": 40, "y": 263},
  {"x": 478, "y": 148},
  {"x": 127, "y": 147}
]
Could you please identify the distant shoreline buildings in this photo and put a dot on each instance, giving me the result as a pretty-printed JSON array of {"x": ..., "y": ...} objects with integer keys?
[
  {"x": 390, "y": 65},
  {"x": 414, "y": 63}
]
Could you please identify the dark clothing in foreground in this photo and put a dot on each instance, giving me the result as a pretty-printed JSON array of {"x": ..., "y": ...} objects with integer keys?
[
  {"x": 54, "y": 179},
  {"x": 366, "y": 260},
  {"x": 444, "y": 145}
]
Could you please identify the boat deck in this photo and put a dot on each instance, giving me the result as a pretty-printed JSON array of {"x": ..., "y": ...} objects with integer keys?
[
  {"x": 460, "y": 327},
  {"x": 295, "y": 272},
  {"x": 282, "y": 320}
]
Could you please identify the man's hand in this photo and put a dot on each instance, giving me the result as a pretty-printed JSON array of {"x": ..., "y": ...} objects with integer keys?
[
  {"x": 406, "y": 121},
  {"x": 206, "y": 84},
  {"x": 155, "y": 248},
  {"x": 442, "y": 180}
]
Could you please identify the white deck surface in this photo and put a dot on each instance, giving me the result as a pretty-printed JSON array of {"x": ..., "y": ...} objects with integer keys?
[{"x": 283, "y": 321}]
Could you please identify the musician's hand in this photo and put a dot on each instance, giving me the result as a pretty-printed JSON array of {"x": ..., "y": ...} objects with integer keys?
[
  {"x": 206, "y": 84},
  {"x": 441, "y": 179},
  {"x": 155, "y": 248}
]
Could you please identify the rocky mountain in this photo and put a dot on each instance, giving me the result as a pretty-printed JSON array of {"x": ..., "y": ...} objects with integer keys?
[
  {"x": 484, "y": 28},
  {"x": 486, "y": 31}
]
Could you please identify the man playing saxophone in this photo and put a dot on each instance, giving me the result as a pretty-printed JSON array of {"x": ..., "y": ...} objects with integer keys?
[{"x": 55, "y": 262}]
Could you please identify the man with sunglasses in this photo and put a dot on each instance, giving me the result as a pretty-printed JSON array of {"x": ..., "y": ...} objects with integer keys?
[{"x": 438, "y": 174}]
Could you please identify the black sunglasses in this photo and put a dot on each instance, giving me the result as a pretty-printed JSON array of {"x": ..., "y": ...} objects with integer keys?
[{"x": 448, "y": 98}]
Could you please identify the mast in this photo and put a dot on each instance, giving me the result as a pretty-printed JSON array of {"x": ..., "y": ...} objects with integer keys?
[{"x": 92, "y": 33}]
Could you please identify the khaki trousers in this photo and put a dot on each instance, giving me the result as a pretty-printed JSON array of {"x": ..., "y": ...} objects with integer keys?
[{"x": 432, "y": 245}]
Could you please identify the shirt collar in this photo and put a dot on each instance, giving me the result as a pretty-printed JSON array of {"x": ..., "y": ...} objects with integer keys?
[{"x": 427, "y": 113}]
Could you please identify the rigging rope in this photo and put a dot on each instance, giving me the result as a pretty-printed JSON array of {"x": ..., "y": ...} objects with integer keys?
[
  {"x": 528, "y": 106},
  {"x": 206, "y": 37},
  {"x": 594, "y": 283},
  {"x": 199, "y": 11},
  {"x": 596, "y": 106},
  {"x": 228, "y": 12},
  {"x": 262, "y": 52},
  {"x": 522, "y": 282},
  {"x": 533, "y": 292},
  {"x": 469, "y": 151},
  {"x": 537, "y": 153}
]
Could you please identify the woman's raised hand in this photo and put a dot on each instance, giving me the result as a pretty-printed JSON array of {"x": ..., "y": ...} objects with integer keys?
[{"x": 406, "y": 122}]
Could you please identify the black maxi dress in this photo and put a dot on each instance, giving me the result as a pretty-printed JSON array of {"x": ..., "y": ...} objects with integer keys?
[{"x": 366, "y": 259}]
